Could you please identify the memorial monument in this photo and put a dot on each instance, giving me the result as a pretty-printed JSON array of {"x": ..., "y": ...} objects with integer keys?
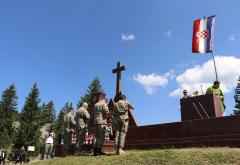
[
  {"x": 118, "y": 70},
  {"x": 200, "y": 107},
  {"x": 202, "y": 124},
  {"x": 108, "y": 146}
]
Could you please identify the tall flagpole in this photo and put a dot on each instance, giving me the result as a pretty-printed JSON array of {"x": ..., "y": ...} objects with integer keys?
[
  {"x": 214, "y": 65},
  {"x": 201, "y": 39}
]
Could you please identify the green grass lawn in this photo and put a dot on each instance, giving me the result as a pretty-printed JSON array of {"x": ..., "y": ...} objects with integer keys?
[{"x": 199, "y": 156}]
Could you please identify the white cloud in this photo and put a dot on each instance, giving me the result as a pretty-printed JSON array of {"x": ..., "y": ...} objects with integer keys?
[
  {"x": 128, "y": 37},
  {"x": 232, "y": 38},
  {"x": 228, "y": 68},
  {"x": 168, "y": 33},
  {"x": 171, "y": 74},
  {"x": 152, "y": 81}
]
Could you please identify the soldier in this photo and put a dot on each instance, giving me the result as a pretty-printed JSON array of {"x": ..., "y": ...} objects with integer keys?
[
  {"x": 91, "y": 112},
  {"x": 89, "y": 140},
  {"x": 100, "y": 122},
  {"x": 120, "y": 122},
  {"x": 215, "y": 89},
  {"x": 82, "y": 118},
  {"x": 69, "y": 124}
]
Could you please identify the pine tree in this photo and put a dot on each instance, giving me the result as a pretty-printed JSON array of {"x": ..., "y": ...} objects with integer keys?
[
  {"x": 3, "y": 136},
  {"x": 89, "y": 98},
  {"x": 8, "y": 114},
  {"x": 29, "y": 130},
  {"x": 48, "y": 114},
  {"x": 93, "y": 88},
  {"x": 236, "y": 111},
  {"x": 59, "y": 124}
]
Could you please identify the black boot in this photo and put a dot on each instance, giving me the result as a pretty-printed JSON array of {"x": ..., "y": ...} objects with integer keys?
[
  {"x": 95, "y": 152},
  {"x": 100, "y": 152}
]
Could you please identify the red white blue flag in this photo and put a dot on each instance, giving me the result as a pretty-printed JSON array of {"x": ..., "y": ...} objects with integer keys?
[{"x": 203, "y": 33}]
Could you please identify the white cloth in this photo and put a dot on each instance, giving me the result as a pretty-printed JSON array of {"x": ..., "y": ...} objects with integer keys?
[
  {"x": 2, "y": 154},
  {"x": 49, "y": 139}
]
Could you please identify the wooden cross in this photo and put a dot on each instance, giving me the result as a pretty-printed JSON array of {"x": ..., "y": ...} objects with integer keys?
[{"x": 118, "y": 70}]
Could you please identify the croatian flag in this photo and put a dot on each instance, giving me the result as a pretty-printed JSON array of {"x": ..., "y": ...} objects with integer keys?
[{"x": 203, "y": 33}]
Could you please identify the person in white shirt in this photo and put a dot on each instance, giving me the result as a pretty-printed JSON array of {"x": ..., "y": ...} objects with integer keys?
[
  {"x": 2, "y": 157},
  {"x": 49, "y": 144}
]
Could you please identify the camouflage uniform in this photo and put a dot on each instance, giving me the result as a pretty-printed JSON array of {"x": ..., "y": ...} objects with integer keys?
[
  {"x": 82, "y": 118},
  {"x": 91, "y": 112},
  {"x": 100, "y": 122},
  {"x": 120, "y": 123},
  {"x": 69, "y": 124}
]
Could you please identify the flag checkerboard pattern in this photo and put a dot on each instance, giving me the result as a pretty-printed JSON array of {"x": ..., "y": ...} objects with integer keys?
[{"x": 203, "y": 34}]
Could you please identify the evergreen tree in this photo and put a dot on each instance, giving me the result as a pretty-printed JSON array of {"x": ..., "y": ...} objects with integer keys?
[
  {"x": 59, "y": 124},
  {"x": 3, "y": 136},
  {"x": 236, "y": 111},
  {"x": 89, "y": 97},
  {"x": 8, "y": 114},
  {"x": 93, "y": 88},
  {"x": 48, "y": 114},
  {"x": 29, "y": 130}
]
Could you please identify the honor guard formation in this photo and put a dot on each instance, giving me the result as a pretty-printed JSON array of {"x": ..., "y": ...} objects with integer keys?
[{"x": 106, "y": 123}]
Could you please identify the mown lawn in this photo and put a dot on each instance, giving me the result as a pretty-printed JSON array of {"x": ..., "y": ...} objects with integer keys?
[{"x": 201, "y": 156}]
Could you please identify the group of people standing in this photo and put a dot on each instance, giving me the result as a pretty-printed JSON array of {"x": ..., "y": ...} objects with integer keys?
[
  {"x": 214, "y": 89},
  {"x": 97, "y": 118}
]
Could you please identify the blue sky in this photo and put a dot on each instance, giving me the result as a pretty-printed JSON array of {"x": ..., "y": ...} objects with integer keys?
[{"x": 63, "y": 45}]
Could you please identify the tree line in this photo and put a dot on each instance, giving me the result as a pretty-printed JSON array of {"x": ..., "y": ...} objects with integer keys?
[{"x": 24, "y": 126}]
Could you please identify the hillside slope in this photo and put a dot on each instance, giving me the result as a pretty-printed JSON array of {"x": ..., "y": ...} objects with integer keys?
[{"x": 201, "y": 156}]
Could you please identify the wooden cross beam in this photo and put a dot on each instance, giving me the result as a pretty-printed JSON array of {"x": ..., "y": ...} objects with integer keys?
[{"x": 118, "y": 71}]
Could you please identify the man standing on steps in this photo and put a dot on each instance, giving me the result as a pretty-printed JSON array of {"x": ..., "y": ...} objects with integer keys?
[
  {"x": 100, "y": 122},
  {"x": 69, "y": 125},
  {"x": 215, "y": 89},
  {"x": 120, "y": 122},
  {"x": 82, "y": 118}
]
